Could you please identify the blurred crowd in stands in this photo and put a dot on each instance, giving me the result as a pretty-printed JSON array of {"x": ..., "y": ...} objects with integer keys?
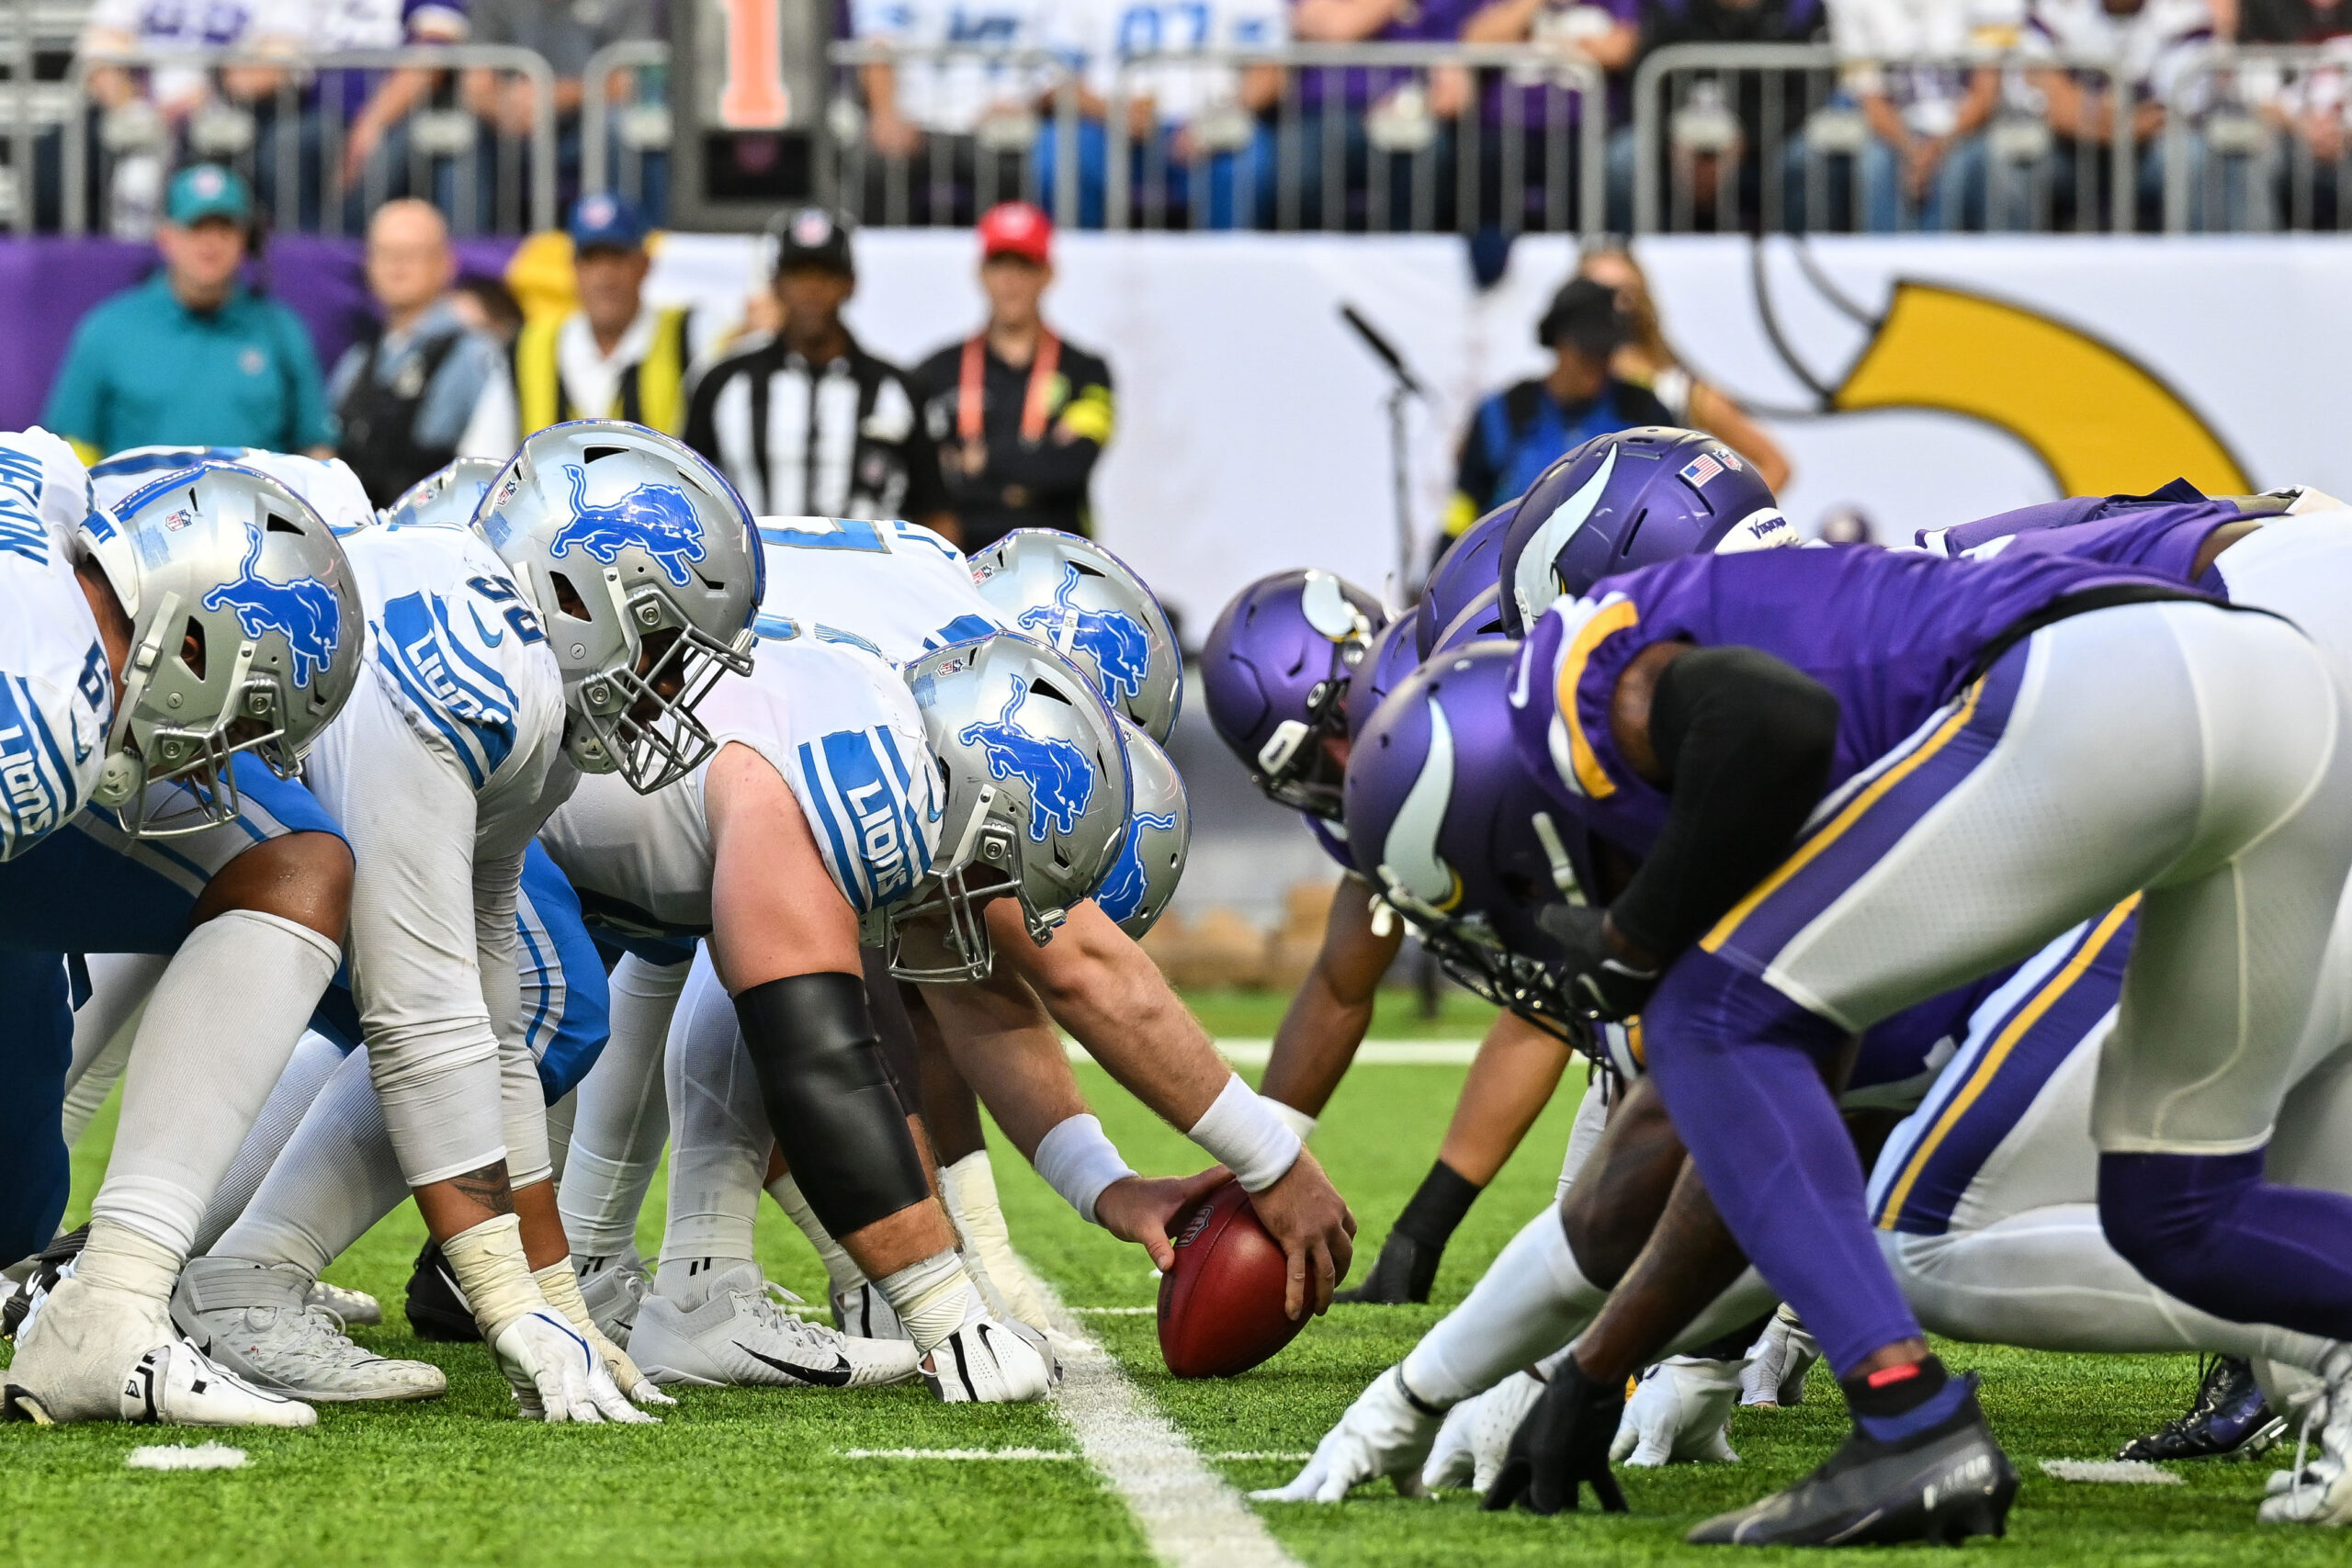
[{"x": 1935, "y": 115}]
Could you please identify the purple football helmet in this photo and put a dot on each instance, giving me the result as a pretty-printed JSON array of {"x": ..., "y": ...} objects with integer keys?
[
  {"x": 1480, "y": 619},
  {"x": 1454, "y": 833},
  {"x": 1275, "y": 672},
  {"x": 1383, "y": 669},
  {"x": 1627, "y": 499},
  {"x": 1468, "y": 570}
]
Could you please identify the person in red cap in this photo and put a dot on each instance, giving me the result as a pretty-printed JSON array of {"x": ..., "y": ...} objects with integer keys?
[{"x": 1019, "y": 415}]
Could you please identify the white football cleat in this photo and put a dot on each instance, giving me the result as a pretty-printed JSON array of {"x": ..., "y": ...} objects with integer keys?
[
  {"x": 1678, "y": 1413},
  {"x": 615, "y": 1294},
  {"x": 556, "y": 1375},
  {"x": 861, "y": 1311},
  {"x": 742, "y": 1337},
  {"x": 92, "y": 1354},
  {"x": 989, "y": 1363},
  {"x": 1387, "y": 1431},
  {"x": 1778, "y": 1363},
  {"x": 254, "y": 1321},
  {"x": 354, "y": 1307},
  {"x": 2319, "y": 1492}
]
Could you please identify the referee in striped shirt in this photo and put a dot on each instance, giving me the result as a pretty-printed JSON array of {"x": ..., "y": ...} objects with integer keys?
[{"x": 806, "y": 423}]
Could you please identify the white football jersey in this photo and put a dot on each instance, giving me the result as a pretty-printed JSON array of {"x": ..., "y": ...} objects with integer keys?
[
  {"x": 56, "y": 693},
  {"x": 894, "y": 589},
  {"x": 845, "y": 732},
  {"x": 333, "y": 492},
  {"x": 456, "y": 648}
]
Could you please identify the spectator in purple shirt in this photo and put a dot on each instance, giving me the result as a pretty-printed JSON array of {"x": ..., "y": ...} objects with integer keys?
[
  {"x": 1342, "y": 115},
  {"x": 1536, "y": 101}
]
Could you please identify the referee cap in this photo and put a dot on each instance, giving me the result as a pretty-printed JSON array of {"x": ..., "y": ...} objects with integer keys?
[{"x": 812, "y": 237}]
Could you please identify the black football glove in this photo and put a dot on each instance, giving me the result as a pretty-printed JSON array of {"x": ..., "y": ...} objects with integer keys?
[
  {"x": 1562, "y": 1444},
  {"x": 1606, "y": 985}
]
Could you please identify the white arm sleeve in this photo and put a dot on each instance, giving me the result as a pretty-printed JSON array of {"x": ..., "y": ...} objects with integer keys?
[{"x": 409, "y": 814}]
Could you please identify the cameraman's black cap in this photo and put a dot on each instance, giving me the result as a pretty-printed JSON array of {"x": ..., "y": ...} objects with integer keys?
[{"x": 1586, "y": 315}]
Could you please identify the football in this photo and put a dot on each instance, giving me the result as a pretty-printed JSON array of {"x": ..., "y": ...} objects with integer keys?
[{"x": 1221, "y": 1305}]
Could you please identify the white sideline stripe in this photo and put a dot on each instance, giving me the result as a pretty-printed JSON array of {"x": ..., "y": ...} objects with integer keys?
[
  {"x": 1188, "y": 1517},
  {"x": 1117, "y": 1312},
  {"x": 1374, "y": 1053}
]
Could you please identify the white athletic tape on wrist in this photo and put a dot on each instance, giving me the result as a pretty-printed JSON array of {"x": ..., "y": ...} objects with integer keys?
[
  {"x": 1078, "y": 1160},
  {"x": 492, "y": 1270},
  {"x": 1247, "y": 1138},
  {"x": 1291, "y": 1117}
]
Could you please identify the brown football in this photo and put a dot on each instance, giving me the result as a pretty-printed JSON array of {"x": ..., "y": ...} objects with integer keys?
[{"x": 1221, "y": 1306}]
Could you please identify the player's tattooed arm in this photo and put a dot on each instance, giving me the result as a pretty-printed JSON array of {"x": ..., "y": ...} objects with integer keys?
[{"x": 486, "y": 1186}]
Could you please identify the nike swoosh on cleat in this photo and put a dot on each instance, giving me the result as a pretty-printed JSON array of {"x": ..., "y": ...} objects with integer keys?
[{"x": 835, "y": 1376}]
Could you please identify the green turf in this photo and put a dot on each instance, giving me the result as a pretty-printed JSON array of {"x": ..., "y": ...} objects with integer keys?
[
  {"x": 1253, "y": 1015},
  {"x": 737, "y": 1476}
]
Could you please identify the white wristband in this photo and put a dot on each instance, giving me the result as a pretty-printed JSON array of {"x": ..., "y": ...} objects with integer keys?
[
  {"x": 1240, "y": 1133},
  {"x": 1291, "y": 1117},
  {"x": 1078, "y": 1160}
]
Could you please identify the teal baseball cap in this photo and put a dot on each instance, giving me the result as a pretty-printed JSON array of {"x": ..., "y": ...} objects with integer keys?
[{"x": 207, "y": 190}]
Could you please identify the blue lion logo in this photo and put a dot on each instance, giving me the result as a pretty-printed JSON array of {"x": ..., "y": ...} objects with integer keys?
[
  {"x": 656, "y": 519},
  {"x": 1060, "y": 782},
  {"x": 1115, "y": 642},
  {"x": 1122, "y": 894},
  {"x": 306, "y": 611}
]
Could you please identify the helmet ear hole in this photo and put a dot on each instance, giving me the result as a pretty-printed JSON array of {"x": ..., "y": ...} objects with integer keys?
[
  {"x": 192, "y": 648},
  {"x": 1046, "y": 688},
  {"x": 567, "y": 597},
  {"x": 276, "y": 525},
  {"x": 597, "y": 454}
]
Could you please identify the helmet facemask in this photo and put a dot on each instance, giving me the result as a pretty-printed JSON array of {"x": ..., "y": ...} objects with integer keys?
[
  {"x": 636, "y": 715},
  {"x": 1294, "y": 767}
]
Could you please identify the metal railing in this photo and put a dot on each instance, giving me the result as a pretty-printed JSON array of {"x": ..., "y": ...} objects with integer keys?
[
  {"x": 303, "y": 152},
  {"x": 1693, "y": 103},
  {"x": 628, "y": 133},
  {"x": 2256, "y": 155}
]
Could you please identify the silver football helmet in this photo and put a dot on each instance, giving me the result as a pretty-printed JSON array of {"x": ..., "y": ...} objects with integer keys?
[
  {"x": 330, "y": 486},
  {"x": 1037, "y": 800},
  {"x": 450, "y": 495},
  {"x": 245, "y": 634},
  {"x": 1089, "y": 606},
  {"x": 641, "y": 559},
  {"x": 1159, "y": 834}
]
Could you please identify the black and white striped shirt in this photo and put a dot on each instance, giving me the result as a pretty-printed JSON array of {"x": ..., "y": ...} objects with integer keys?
[{"x": 836, "y": 440}]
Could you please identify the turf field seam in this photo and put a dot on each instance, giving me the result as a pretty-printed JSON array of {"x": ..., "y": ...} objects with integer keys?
[{"x": 1188, "y": 1517}]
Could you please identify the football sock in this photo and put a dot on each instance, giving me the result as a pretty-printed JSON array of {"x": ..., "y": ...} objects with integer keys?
[
  {"x": 1437, "y": 1209},
  {"x": 216, "y": 1036},
  {"x": 119, "y": 982},
  {"x": 1745, "y": 1091},
  {"x": 622, "y": 1119},
  {"x": 2210, "y": 1230},
  {"x": 117, "y": 1257},
  {"x": 314, "y": 1061},
  {"x": 969, "y": 1188},
  {"x": 932, "y": 1298},
  {"x": 842, "y": 1271},
  {"x": 720, "y": 1139},
  {"x": 1533, "y": 1300},
  {"x": 1895, "y": 1402},
  {"x": 337, "y": 1176}
]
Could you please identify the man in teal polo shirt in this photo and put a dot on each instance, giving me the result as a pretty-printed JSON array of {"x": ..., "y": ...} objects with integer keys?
[{"x": 192, "y": 357}]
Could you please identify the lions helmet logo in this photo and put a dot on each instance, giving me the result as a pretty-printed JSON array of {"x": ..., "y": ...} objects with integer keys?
[
  {"x": 305, "y": 612},
  {"x": 1122, "y": 894},
  {"x": 656, "y": 519},
  {"x": 1060, "y": 782},
  {"x": 1113, "y": 642}
]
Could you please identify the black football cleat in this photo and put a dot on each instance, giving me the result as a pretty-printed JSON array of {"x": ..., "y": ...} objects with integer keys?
[
  {"x": 436, "y": 1308},
  {"x": 1942, "y": 1486},
  {"x": 2228, "y": 1417},
  {"x": 1401, "y": 1276}
]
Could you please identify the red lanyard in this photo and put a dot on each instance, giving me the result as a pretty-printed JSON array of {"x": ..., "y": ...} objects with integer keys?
[{"x": 971, "y": 394}]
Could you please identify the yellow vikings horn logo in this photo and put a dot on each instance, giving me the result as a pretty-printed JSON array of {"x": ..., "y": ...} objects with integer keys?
[{"x": 2099, "y": 420}]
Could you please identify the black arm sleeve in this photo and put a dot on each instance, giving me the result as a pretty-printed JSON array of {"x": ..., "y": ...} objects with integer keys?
[{"x": 1747, "y": 742}]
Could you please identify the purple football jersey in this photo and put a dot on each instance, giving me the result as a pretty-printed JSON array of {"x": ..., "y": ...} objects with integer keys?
[
  {"x": 1327, "y": 834},
  {"x": 1894, "y": 635},
  {"x": 2157, "y": 534}
]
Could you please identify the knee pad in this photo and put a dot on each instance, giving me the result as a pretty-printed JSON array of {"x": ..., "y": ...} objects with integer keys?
[
  {"x": 842, "y": 1126},
  {"x": 2164, "y": 1213}
]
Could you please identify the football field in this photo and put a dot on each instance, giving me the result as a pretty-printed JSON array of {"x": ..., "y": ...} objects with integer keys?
[{"x": 891, "y": 1478}]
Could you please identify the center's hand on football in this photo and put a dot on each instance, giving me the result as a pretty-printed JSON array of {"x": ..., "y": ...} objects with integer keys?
[
  {"x": 1145, "y": 1209},
  {"x": 1311, "y": 1221}
]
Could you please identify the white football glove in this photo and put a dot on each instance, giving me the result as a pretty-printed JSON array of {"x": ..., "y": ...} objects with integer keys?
[
  {"x": 625, "y": 1375},
  {"x": 1382, "y": 1433},
  {"x": 1452, "y": 1460},
  {"x": 1501, "y": 1410},
  {"x": 555, "y": 1375},
  {"x": 1678, "y": 1413}
]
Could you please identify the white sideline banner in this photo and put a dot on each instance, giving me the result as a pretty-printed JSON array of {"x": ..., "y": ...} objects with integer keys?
[{"x": 1924, "y": 380}]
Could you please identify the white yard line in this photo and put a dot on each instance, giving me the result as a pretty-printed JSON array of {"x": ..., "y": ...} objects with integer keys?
[
  {"x": 959, "y": 1455},
  {"x": 1375, "y": 1052},
  {"x": 1188, "y": 1517}
]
